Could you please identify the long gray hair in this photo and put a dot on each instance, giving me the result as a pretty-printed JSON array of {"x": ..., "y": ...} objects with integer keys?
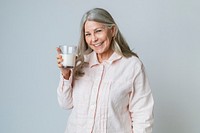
[{"x": 119, "y": 45}]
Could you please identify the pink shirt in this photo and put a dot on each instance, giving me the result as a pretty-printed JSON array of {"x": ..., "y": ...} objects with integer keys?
[{"x": 112, "y": 97}]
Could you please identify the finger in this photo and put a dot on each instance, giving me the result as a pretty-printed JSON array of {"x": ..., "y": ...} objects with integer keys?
[
  {"x": 58, "y": 50},
  {"x": 59, "y": 56},
  {"x": 59, "y": 61},
  {"x": 60, "y": 65}
]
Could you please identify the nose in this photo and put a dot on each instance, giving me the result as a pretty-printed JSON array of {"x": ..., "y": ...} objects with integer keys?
[{"x": 94, "y": 38}]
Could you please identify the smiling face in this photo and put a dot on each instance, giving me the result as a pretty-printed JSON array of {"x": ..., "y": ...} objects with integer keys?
[{"x": 99, "y": 38}]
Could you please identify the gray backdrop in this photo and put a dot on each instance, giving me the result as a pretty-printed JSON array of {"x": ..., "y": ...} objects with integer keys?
[{"x": 165, "y": 34}]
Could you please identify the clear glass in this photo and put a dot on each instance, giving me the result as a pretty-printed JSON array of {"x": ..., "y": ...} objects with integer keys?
[{"x": 68, "y": 53}]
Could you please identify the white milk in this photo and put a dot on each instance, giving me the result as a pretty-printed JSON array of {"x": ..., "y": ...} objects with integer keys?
[{"x": 68, "y": 60}]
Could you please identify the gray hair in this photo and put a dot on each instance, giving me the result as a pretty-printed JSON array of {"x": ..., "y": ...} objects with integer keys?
[{"x": 119, "y": 45}]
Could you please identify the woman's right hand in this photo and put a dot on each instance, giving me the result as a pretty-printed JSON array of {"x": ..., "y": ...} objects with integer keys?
[{"x": 65, "y": 71}]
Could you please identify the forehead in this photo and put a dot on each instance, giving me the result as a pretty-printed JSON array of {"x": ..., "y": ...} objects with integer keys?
[{"x": 92, "y": 25}]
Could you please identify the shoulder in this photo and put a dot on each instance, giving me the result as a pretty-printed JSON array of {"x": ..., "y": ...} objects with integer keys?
[
  {"x": 133, "y": 61},
  {"x": 133, "y": 65}
]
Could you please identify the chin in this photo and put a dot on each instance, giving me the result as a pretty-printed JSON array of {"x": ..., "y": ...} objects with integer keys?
[{"x": 98, "y": 51}]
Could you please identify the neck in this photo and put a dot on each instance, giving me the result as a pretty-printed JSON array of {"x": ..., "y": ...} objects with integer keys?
[{"x": 104, "y": 56}]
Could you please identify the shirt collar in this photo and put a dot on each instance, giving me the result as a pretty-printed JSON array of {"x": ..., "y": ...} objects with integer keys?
[{"x": 94, "y": 61}]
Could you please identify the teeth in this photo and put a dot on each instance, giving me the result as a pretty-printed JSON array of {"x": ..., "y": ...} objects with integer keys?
[{"x": 98, "y": 44}]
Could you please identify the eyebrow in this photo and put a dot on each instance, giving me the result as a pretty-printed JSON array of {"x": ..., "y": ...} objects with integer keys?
[{"x": 102, "y": 27}]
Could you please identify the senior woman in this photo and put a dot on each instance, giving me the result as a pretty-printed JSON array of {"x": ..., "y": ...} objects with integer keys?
[{"x": 107, "y": 90}]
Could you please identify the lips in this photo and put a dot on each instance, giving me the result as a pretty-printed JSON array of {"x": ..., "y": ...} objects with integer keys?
[{"x": 97, "y": 44}]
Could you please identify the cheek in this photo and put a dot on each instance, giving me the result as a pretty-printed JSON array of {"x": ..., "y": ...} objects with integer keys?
[
  {"x": 87, "y": 40},
  {"x": 109, "y": 38},
  {"x": 110, "y": 35},
  {"x": 105, "y": 38}
]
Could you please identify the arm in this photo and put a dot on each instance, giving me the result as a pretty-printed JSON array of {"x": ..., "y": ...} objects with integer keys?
[
  {"x": 141, "y": 103},
  {"x": 64, "y": 92}
]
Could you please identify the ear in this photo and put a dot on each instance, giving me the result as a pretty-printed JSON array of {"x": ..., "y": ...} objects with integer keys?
[{"x": 113, "y": 30}]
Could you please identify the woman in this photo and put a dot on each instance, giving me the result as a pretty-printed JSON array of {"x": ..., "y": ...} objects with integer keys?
[{"x": 108, "y": 90}]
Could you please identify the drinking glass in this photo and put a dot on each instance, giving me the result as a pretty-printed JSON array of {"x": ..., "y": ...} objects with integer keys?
[{"x": 68, "y": 53}]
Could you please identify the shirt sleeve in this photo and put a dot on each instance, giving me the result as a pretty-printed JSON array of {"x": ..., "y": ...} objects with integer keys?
[
  {"x": 141, "y": 103},
  {"x": 64, "y": 93}
]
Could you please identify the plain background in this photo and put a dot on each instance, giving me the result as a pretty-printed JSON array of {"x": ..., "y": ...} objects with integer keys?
[{"x": 165, "y": 34}]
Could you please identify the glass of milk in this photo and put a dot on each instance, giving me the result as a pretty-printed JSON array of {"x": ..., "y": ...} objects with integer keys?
[{"x": 68, "y": 53}]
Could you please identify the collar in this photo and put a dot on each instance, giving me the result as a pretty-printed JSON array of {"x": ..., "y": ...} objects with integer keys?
[{"x": 93, "y": 60}]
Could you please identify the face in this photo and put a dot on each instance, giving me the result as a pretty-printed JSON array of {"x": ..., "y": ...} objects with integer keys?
[{"x": 99, "y": 37}]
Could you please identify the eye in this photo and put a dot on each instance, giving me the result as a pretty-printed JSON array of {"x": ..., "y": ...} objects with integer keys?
[
  {"x": 99, "y": 30},
  {"x": 87, "y": 34}
]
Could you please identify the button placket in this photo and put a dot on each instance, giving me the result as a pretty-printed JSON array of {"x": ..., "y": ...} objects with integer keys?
[{"x": 94, "y": 97}]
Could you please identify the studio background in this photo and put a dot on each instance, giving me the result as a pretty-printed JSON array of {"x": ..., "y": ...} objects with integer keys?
[{"x": 164, "y": 33}]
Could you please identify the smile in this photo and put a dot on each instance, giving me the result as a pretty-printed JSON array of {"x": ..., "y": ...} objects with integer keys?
[{"x": 98, "y": 44}]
